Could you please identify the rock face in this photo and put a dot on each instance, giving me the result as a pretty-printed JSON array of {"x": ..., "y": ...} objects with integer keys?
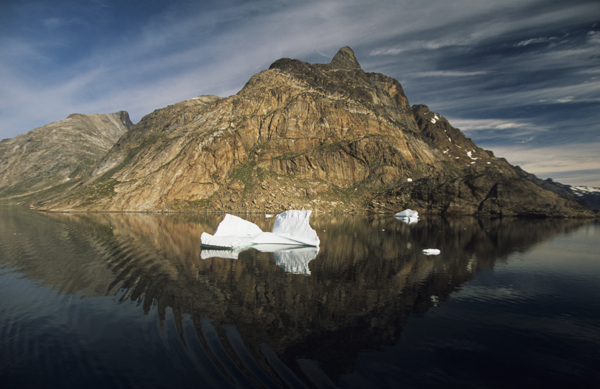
[
  {"x": 52, "y": 158},
  {"x": 327, "y": 137},
  {"x": 477, "y": 184}
]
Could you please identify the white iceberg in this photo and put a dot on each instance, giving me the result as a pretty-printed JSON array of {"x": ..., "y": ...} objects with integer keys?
[
  {"x": 293, "y": 242},
  {"x": 294, "y": 226},
  {"x": 290, "y": 228},
  {"x": 232, "y": 232},
  {"x": 431, "y": 252},
  {"x": 408, "y": 216}
]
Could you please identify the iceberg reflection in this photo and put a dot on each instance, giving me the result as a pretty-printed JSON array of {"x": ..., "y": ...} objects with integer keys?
[
  {"x": 293, "y": 242},
  {"x": 292, "y": 259}
]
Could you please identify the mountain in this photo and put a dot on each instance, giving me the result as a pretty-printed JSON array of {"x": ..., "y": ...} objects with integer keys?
[
  {"x": 327, "y": 137},
  {"x": 50, "y": 159},
  {"x": 588, "y": 196}
]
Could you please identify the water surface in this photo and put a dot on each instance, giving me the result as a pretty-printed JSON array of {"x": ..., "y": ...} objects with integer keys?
[{"x": 130, "y": 300}]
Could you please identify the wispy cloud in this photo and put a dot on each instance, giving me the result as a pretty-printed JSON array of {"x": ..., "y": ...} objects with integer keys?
[
  {"x": 434, "y": 44},
  {"x": 569, "y": 164},
  {"x": 492, "y": 132},
  {"x": 594, "y": 37},
  {"x": 449, "y": 73},
  {"x": 470, "y": 125},
  {"x": 536, "y": 40}
]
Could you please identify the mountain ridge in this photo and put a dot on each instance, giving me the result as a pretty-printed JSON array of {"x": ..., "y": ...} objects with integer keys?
[
  {"x": 56, "y": 156},
  {"x": 327, "y": 137}
]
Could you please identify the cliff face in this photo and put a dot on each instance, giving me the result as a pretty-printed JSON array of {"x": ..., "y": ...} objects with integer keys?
[
  {"x": 327, "y": 137},
  {"x": 56, "y": 156}
]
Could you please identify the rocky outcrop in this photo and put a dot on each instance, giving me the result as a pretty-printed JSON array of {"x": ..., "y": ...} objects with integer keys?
[
  {"x": 53, "y": 158},
  {"x": 474, "y": 182},
  {"x": 327, "y": 137}
]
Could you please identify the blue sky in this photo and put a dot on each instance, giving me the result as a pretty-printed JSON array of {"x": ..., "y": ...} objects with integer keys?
[{"x": 520, "y": 77}]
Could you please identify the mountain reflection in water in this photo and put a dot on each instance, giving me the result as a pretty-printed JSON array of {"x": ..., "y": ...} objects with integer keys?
[{"x": 254, "y": 323}]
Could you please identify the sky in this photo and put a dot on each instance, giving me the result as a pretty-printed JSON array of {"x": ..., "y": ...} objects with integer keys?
[{"x": 519, "y": 77}]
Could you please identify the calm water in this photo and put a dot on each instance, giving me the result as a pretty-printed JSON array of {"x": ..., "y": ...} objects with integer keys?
[{"x": 129, "y": 300}]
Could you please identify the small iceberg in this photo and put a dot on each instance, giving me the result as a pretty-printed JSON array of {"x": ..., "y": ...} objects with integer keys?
[
  {"x": 290, "y": 228},
  {"x": 293, "y": 242},
  {"x": 431, "y": 252},
  {"x": 408, "y": 216}
]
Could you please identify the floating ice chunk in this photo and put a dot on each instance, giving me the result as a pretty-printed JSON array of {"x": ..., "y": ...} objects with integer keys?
[
  {"x": 408, "y": 213},
  {"x": 431, "y": 252},
  {"x": 223, "y": 242},
  {"x": 294, "y": 225},
  {"x": 288, "y": 242},
  {"x": 233, "y": 225},
  {"x": 291, "y": 228},
  {"x": 268, "y": 238},
  {"x": 408, "y": 216},
  {"x": 232, "y": 232}
]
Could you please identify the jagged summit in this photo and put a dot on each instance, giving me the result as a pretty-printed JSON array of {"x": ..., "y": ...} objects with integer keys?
[{"x": 345, "y": 59}]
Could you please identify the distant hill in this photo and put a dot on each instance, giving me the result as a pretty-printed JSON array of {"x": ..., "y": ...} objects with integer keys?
[
  {"x": 50, "y": 159},
  {"x": 328, "y": 137},
  {"x": 588, "y": 196}
]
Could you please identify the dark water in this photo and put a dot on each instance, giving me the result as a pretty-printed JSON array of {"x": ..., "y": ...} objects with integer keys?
[{"x": 129, "y": 300}]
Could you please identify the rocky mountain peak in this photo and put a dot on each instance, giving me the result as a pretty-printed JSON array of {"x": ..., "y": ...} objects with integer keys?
[
  {"x": 345, "y": 59},
  {"x": 326, "y": 137}
]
